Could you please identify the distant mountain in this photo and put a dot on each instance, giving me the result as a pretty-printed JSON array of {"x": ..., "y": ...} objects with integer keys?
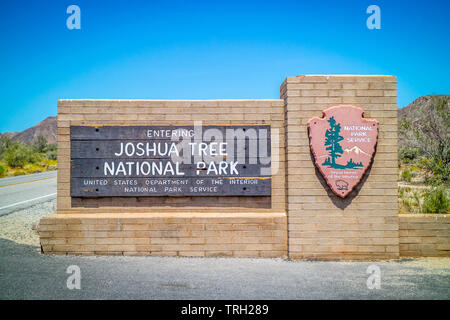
[
  {"x": 419, "y": 109},
  {"x": 9, "y": 135},
  {"x": 411, "y": 109},
  {"x": 46, "y": 128}
]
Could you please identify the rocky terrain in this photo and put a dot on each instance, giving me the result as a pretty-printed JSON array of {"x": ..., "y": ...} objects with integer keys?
[
  {"x": 419, "y": 109},
  {"x": 46, "y": 128}
]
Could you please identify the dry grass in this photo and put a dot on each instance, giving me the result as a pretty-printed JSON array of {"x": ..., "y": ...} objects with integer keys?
[{"x": 44, "y": 165}]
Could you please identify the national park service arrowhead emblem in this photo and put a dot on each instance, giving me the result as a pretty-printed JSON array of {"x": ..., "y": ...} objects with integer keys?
[{"x": 343, "y": 144}]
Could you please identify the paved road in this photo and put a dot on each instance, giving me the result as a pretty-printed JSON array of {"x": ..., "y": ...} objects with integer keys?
[
  {"x": 27, "y": 274},
  {"x": 23, "y": 191}
]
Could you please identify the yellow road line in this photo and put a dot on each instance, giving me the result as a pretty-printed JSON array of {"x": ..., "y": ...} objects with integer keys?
[{"x": 14, "y": 184}]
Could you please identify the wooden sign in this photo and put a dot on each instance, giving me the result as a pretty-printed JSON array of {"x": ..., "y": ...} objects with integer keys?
[
  {"x": 170, "y": 161},
  {"x": 343, "y": 144}
]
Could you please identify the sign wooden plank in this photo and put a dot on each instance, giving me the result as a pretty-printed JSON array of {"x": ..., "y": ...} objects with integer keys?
[
  {"x": 138, "y": 187},
  {"x": 151, "y": 161}
]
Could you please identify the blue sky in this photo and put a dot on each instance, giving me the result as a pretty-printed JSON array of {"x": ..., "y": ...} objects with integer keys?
[{"x": 209, "y": 49}]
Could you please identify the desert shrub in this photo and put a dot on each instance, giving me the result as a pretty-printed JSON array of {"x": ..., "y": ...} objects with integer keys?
[
  {"x": 416, "y": 196},
  {"x": 33, "y": 168},
  {"x": 430, "y": 134},
  {"x": 3, "y": 171},
  {"x": 19, "y": 154},
  {"x": 406, "y": 175},
  {"x": 408, "y": 204},
  {"x": 438, "y": 171},
  {"x": 436, "y": 200},
  {"x": 50, "y": 164},
  {"x": 51, "y": 155},
  {"x": 40, "y": 144},
  {"x": 409, "y": 200},
  {"x": 51, "y": 167},
  {"x": 15, "y": 155},
  {"x": 49, "y": 151},
  {"x": 34, "y": 157},
  {"x": 4, "y": 143},
  {"x": 408, "y": 154}
]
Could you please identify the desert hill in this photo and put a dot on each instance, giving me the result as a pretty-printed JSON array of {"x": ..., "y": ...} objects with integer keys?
[
  {"x": 46, "y": 128},
  {"x": 419, "y": 109}
]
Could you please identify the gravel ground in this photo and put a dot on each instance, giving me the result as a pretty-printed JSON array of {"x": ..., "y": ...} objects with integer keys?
[{"x": 20, "y": 226}]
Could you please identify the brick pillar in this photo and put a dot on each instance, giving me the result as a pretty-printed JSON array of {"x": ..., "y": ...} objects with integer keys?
[{"x": 321, "y": 225}]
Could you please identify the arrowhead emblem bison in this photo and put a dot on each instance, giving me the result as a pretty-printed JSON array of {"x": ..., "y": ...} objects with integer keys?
[{"x": 343, "y": 144}]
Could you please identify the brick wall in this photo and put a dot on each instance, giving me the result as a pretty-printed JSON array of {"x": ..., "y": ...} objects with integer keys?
[
  {"x": 424, "y": 235},
  {"x": 170, "y": 234},
  {"x": 175, "y": 226},
  {"x": 321, "y": 225},
  {"x": 318, "y": 225}
]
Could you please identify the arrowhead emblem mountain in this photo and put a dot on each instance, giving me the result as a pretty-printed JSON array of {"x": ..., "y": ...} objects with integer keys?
[{"x": 356, "y": 150}]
